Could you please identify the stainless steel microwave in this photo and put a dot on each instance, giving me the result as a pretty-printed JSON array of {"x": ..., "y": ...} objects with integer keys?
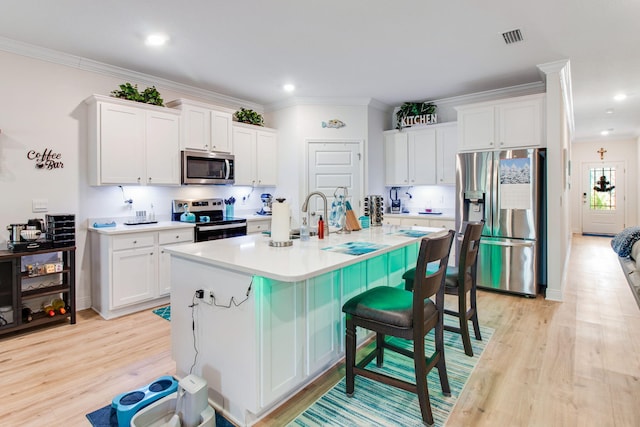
[{"x": 207, "y": 167}]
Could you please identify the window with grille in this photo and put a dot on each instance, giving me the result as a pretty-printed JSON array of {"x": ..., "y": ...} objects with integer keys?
[{"x": 603, "y": 184}]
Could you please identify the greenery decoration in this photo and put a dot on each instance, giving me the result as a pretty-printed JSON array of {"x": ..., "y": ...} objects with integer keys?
[
  {"x": 249, "y": 116},
  {"x": 409, "y": 109},
  {"x": 149, "y": 96},
  {"x": 152, "y": 96}
]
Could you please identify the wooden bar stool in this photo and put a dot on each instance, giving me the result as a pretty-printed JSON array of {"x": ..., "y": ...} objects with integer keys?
[
  {"x": 404, "y": 314},
  {"x": 461, "y": 281}
]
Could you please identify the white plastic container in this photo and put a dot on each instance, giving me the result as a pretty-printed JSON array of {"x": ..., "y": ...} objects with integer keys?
[
  {"x": 162, "y": 413},
  {"x": 6, "y": 312}
]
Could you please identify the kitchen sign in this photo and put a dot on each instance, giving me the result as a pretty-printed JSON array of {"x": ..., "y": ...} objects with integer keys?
[
  {"x": 423, "y": 119},
  {"x": 416, "y": 113},
  {"x": 47, "y": 159}
]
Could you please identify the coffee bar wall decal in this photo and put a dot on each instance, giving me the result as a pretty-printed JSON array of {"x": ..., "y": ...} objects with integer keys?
[{"x": 47, "y": 159}]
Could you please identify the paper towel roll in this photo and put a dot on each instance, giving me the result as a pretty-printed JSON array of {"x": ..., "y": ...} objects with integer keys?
[{"x": 280, "y": 222}]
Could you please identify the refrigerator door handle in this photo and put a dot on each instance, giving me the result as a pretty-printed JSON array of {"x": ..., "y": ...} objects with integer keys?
[{"x": 506, "y": 243}]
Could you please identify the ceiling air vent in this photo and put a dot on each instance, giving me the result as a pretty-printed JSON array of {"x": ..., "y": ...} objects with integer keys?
[{"x": 512, "y": 36}]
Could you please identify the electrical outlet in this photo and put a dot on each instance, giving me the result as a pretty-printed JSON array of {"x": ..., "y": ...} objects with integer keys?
[{"x": 208, "y": 297}]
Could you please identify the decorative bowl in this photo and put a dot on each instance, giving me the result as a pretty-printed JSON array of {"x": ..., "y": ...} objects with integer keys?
[{"x": 30, "y": 235}]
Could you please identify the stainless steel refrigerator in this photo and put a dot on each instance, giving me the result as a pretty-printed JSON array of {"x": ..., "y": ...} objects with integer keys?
[{"x": 506, "y": 189}]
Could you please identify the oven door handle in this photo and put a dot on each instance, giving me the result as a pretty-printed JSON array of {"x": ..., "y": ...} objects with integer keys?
[
  {"x": 227, "y": 169},
  {"x": 221, "y": 227}
]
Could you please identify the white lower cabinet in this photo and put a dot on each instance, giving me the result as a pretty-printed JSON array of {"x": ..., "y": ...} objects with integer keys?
[
  {"x": 391, "y": 221},
  {"x": 135, "y": 272},
  {"x": 258, "y": 225},
  {"x": 281, "y": 328},
  {"x": 130, "y": 271},
  {"x": 323, "y": 324},
  {"x": 165, "y": 238}
]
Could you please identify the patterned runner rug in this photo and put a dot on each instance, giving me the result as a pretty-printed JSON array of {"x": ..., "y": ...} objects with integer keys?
[
  {"x": 164, "y": 312},
  {"x": 377, "y": 404}
]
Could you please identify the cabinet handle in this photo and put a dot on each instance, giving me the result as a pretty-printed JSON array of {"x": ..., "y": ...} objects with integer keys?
[
  {"x": 139, "y": 180},
  {"x": 490, "y": 143},
  {"x": 206, "y": 146},
  {"x": 178, "y": 236},
  {"x": 149, "y": 179},
  {"x": 151, "y": 253},
  {"x": 135, "y": 242}
]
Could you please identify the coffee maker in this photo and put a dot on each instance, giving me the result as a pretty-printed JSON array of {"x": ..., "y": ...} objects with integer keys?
[
  {"x": 14, "y": 232},
  {"x": 394, "y": 200},
  {"x": 267, "y": 201},
  {"x": 27, "y": 237}
]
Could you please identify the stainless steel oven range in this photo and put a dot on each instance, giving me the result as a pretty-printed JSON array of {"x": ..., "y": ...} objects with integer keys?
[{"x": 208, "y": 215}]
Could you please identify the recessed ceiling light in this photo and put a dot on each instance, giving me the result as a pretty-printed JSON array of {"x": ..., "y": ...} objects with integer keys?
[
  {"x": 620, "y": 97},
  {"x": 288, "y": 87},
  {"x": 606, "y": 132},
  {"x": 156, "y": 39},
  {"x": 609, "y": 111}
]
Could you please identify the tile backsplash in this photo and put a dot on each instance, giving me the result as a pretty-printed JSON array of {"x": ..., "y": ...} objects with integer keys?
[{"x": 419, "y": 198}]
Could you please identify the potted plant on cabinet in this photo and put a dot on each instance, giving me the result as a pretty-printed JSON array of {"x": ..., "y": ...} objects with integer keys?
[
  {"x": 149, "y": 96},
  {"x": 249, "y": 116}
]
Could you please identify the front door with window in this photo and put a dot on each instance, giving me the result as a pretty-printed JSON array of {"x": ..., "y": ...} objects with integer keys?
[{"x": 603, "y": 197}]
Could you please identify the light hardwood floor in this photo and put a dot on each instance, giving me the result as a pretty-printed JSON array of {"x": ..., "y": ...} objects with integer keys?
[{"x": 574, "y": 363}]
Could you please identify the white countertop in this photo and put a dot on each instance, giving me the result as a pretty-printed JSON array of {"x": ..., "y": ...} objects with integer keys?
[
  {"x": 121, "y": 228},
  {"x": 252, "y": 253}
]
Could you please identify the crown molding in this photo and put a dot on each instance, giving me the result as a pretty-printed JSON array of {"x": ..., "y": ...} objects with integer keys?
[
  {"x": 490, "y": 95},
  {"x": 57, "y": 57},
  {"x": 332, "y": 101}
]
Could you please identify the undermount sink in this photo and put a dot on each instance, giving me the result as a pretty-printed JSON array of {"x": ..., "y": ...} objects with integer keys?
[{"x": 295, "y": 233}]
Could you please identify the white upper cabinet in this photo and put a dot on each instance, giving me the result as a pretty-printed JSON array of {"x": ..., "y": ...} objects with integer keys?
[
  {"x": 410, "y": 157},
  {"x": 205, "y": 127},
  {"x": 162, "y": 148},
  {"x": 424, "y": 156},
  {"x": 509, "y": 123},
  {"x": 255, "y": 152},
  {"x": 446, "y": 151},
  {"x": 132, "y": 143}
]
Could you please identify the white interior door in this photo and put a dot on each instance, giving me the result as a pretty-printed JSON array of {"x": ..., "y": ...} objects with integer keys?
[
  {"x": 603, "y": 198},
  {"x": 333, "y": 164}
]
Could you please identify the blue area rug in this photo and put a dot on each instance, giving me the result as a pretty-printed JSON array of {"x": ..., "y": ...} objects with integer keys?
[
  {"x": 164, "y": 312},
  {"x": 106, "y": 417},
  {"x": 377, "y": 404}
]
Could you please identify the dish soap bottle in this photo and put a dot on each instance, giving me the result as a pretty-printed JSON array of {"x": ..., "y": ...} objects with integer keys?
[
  {"x": 320, "y": 228},
  {"x": 304, "y": 230}
]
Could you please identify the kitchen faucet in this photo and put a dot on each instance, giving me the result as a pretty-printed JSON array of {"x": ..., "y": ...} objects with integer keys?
[{"x": 305, "y": 206}]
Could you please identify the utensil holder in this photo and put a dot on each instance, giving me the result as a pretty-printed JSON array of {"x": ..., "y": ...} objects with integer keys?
[{"x": 229, "y": 211}]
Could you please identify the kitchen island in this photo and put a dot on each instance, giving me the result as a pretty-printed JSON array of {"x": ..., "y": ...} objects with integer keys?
[{"x": 270, "y": 319}]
